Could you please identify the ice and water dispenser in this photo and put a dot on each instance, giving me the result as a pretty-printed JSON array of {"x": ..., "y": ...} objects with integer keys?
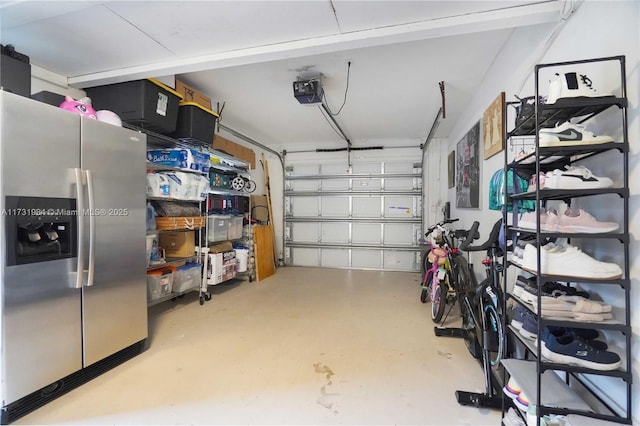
[{"x": 40, "y": 229}]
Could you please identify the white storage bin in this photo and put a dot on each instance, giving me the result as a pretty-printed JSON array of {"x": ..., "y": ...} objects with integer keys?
[{"x": 218, "y": 227}]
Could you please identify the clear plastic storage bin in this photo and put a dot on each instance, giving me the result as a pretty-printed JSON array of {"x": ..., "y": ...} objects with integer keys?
[
  {"x": 218, "y": 227},
  {"x": 187, "y": 277},
  {"x": 235, "y": 227},
  {"x": 159, "y": 283}
]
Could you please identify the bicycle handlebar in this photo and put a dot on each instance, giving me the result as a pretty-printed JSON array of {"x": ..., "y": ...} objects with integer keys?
[{"x": 439, "y": 225}]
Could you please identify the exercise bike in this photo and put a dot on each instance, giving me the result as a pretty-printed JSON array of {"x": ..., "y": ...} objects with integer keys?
[{"x": 481, "y": 311}]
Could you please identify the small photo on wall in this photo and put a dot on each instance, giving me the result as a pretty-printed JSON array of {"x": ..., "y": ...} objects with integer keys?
[{"x": 493, "y": 127}]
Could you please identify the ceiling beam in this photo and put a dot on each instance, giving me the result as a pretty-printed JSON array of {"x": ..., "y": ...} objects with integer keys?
[{"x": 512, "y": 17}]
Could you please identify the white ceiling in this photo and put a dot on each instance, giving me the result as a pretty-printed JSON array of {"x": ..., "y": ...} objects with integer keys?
[{"x": 248, "y": 53}]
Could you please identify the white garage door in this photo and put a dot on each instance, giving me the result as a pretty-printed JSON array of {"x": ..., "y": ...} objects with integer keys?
[{"x": 368, "y": 216}]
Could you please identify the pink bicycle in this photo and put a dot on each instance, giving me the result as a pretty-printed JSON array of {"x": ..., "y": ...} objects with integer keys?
[{"x": 437, "y": 283}]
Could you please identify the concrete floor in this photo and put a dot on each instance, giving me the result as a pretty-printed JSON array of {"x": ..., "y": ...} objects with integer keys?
[{"x": 306, "y": 346}]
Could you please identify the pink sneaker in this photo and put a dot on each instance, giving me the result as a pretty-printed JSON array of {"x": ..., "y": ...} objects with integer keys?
[
  {"x": 581, "y": 221},
  {"x": 548, "y": 220}
]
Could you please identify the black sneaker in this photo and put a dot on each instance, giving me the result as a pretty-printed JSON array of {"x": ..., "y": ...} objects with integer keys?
[
  {"x": 566, "y": 349},
  {"x": 526, "y": 289},
  {"x": 577, "y": 333}
]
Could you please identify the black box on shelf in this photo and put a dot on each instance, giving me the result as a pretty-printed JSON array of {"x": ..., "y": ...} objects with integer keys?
[
  {"x": 195, "y": 122},
  {"x": 50, "y": 98},
  {"x": 147, "y": 104},
  {"x": 15, "y": 71}
]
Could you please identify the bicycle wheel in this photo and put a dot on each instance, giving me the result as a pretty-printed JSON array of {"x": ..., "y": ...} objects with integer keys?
[
  {"x": 465, "y": 292},
  {"x": 469, "y": 329},
  {"x": 495, "y": 334},
  {"x": 426, "y": 288},
  {"x": 439, "y": 300}
]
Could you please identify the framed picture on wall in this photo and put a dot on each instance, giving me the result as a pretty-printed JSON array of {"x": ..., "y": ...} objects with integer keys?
[
  {"x": 468, "y": 169},
  {"x": 493, "y": 127},
  {"x": 452, "y": 169}
]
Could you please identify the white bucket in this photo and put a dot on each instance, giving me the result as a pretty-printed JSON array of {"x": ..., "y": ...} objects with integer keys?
[{"x": 242, "y": 258}]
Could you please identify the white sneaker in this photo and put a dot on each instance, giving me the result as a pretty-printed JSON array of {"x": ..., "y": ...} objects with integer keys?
[
  {"x": 581, "y": 221},
  {"x": 569, "y": 261},
  {"x": 568, "y": 134},
  {"x": 575, "y": 177},
  {"x": 572, "y": 85}
]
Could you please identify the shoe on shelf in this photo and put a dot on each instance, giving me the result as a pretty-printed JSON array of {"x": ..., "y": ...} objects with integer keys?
[
  {"x": 575, "y": 333},
  {"x": 556, "y": 289},
  {"x": 548, "y": 220},
  {"x": 567, "y": 349},
  {"x": 575, "y": 177},
  {"x": 512, "y": 389},
  {"x": 529, "y": 328},
  {"x": 569, "y": 134},
  {"x": 572, "y": 85},
  {"x": 517, "y": 320},
  {"x": 526, "y": 289},
  {"x": 567, "y": 261},
  {"x": 581, "y": 221}
]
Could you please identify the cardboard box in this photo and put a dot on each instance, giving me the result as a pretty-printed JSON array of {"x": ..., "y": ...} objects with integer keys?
[
  {"x": 259, "y": 209},
  {"x": 238, "y": 151},
  {"x": 221, "y": 267},
  {"x": 178, "y": 244},
  {"x": 192, "y": 95}
]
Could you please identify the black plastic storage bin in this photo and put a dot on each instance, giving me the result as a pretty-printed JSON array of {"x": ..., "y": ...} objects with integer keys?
[
  {"x": 15, "y": 71},
  {"x": 196, "y": 123},
  {"x": 148, "y": 103}
]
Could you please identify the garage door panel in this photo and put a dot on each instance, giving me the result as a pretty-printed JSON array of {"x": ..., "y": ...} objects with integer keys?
[
  {"x": 399, "y": 206},
  {"x": 305, "y": 206},
  {"x": 399, "y": 234},
  {"x": 303, "y": 185},
  {"x": 399, "y": 260},
  {"x": 335, "y": 258},
  {"x": 402, "y": 184},
  {"x": 335, "y": 185},
  {"x": 335, "y": 206},
  {"x": 305, "y": 256},
  {"x": 367, "y": 184},
  {"x": 335, "y": 232},
  {"x": 366, "y": 259},
  {"x": 366, "y": 233},
  {"x": 366, "y": 168},
  {"x": 303, "y": 169},
  {"x": 399, "y": 168},
  {"x": 364, "y": 207},
  {"x": 305, "y": 232}
]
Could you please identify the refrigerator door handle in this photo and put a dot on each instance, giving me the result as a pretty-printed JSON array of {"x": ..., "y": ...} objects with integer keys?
[
  {"x": 92, "y": 229},
  {"x": 79, "y": 208}
]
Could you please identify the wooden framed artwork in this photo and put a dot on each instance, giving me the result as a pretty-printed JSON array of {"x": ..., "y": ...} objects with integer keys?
[
  {"x": 493, "y": 127},
  {"x": 452, "y": 169},
  {"x": 468, "y": 169}
]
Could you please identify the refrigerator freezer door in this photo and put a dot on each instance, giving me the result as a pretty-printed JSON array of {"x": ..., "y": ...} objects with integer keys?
[
  {"x": 115, "y": 297},
  {"x": 41, "y": 335}
]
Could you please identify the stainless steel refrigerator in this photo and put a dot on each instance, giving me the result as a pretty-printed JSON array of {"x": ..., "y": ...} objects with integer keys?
[{"x": 73, "y": 282}]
